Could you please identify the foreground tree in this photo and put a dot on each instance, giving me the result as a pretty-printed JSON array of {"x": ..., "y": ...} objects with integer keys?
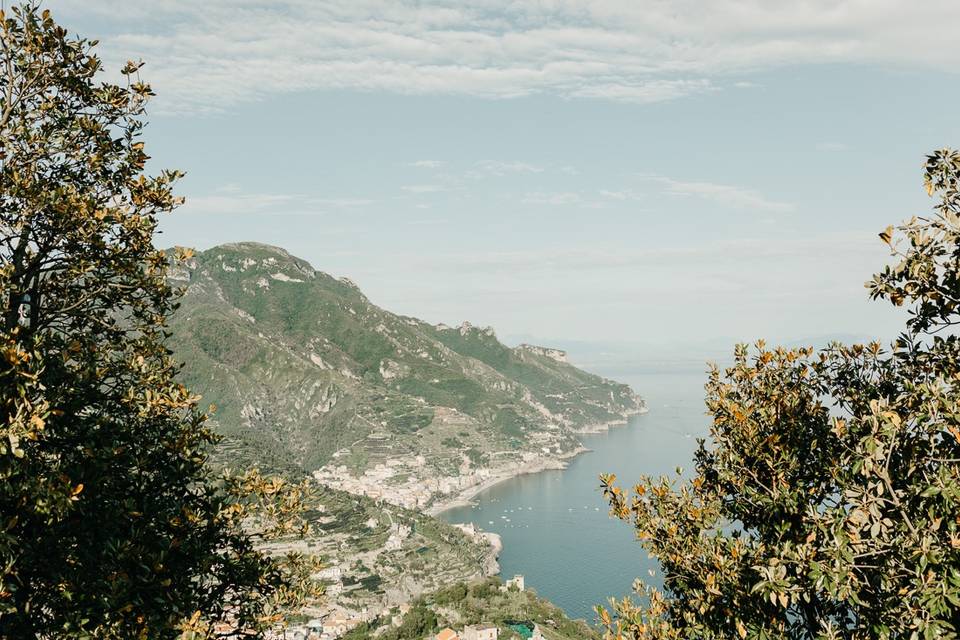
[
  {"x": 110, "y": 525},
  {"x": 826, "y": 503}
]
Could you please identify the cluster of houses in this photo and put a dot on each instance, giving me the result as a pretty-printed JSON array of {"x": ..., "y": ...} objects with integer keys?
[
  {"x": 407, "y": 482},
  {"x": 338, "y": 624},
  {"x": 527, "y": 630},
  {"x": 492, "y": 632},
  {"x": 415, "y": 491},
  {"x": 471, "y": 632},
  {"x": 328, "y": 628}
]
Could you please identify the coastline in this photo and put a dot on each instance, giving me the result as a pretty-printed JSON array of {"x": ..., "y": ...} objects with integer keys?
[
  {"x": 561, "y": 461},
  {"x": 603, "y": 427},
  {"x": 557, "y": 462},
  {"x": 491, "y": 565},
  {"x": 465, "y": 497}
]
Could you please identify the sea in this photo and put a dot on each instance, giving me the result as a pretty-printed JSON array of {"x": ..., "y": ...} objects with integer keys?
[{"x": 555, "y": 525}]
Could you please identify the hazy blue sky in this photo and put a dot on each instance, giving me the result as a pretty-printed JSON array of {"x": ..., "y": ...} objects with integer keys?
[{"x": 625, "y": 171}]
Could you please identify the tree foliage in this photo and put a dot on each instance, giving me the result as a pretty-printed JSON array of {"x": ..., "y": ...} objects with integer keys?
[
  {"x": 826, "y": 503},
  {"x": 111, "y": 525}
]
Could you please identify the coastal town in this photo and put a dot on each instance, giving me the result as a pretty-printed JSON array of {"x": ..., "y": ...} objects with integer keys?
[
  {"x": 411, "y": 483},
  {"x": 377, "y": 558},
  {"x": 336, "y": 624},
  {"x": 426, "y": 482},
  {"x": 452, "y": 476},
  {"x": 415, "y": 419},
  {"x": 526, "y": 630}
]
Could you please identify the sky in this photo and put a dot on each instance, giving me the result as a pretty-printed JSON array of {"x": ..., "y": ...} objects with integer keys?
[{"x": 630, "y": 171}]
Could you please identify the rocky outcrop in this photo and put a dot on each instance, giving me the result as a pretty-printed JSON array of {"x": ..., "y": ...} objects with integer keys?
[{"x": 557, "y": 355}]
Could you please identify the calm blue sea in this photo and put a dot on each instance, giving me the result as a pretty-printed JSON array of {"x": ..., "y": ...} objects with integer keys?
[{"x": 555, "y": 526}]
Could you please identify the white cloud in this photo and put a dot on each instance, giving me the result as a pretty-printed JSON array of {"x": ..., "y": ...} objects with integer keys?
[
  {"x": 501, "y": 168},
  {"x": 730, "y": 254},
  {"x": 652, "y": 91},
  {"x": 342, "y": 203},
  {"x": 427, "y": 222},
  {"x": 769, "y": 258},
  {"x": 621, "y": 194},
  {"x": 233, "y": 203},
  {"x": 427, "y": 164},
  {"x": 559, "y": 198},
  {"x": 423, "y": 188},
  {"x": 212, "y": 55},
  {"x": 723, "y": 194},
  {"x": 230, "y": 199}
]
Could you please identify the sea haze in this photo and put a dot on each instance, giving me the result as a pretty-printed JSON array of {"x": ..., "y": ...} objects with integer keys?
[{"x": 555, "y": 525}]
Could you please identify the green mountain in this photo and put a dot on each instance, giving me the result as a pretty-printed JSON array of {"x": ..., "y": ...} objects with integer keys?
[{"x": 304, "y": 371}]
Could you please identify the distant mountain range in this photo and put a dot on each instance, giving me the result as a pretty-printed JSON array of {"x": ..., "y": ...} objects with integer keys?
[{"x": 301, "y": 365}]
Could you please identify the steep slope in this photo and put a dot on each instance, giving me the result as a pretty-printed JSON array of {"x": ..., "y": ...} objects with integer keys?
[{"x": 305, "y": 371}]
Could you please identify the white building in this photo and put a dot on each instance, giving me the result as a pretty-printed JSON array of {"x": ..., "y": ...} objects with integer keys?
[
  {"x": 330, "y": 573},
  {"x": 399, "y": 533},
  {"x": 516, "y": 581},
  {"x": 481, "y": 632}
]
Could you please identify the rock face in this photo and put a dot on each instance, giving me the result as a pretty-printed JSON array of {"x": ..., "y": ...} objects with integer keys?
[
  {"x": 302, "y": 366},
  {"x": 546, "y": 352}
]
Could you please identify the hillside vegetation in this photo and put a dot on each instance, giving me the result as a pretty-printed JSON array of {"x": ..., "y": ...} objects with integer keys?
[
  {"x": 484, "y": 602},
  {"x": 301, "y": 365}
]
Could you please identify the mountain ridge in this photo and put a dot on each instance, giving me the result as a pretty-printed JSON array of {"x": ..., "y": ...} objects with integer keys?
[{"x": 306, "y": 371}]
